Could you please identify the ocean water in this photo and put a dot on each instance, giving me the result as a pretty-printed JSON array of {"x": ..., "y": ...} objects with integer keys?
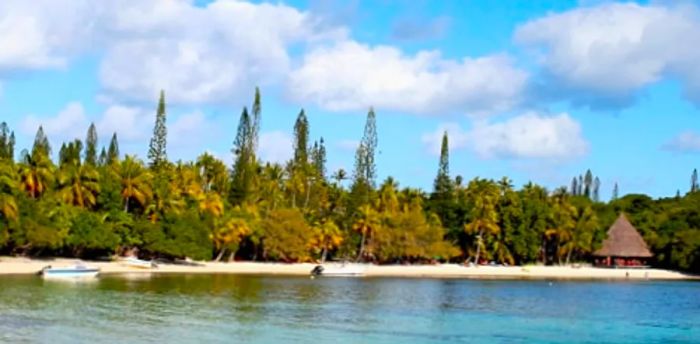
[{"x": 260, "y": 309}]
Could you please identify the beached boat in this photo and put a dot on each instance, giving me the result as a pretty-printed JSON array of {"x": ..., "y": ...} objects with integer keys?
[
  {"x": 139, "y": 263},
  {"x": 73, "y": 271},
  {"x": 339, "y": 270}
]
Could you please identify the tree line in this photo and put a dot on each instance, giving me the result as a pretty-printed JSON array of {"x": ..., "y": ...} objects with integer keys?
[{"x": 92, "y": 201}]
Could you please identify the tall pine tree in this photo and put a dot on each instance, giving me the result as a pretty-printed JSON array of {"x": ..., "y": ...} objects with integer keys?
[
  {"x": 7, "y": 142},
  {"x": 241, "y": 177},
  {"x": 301, "y": 141},
  {"x": 596, "y": 189},
  {"x": 41, "y": 144},
  {"x": 255, "y": 123},
  {"x": 91, "y": 146},
  {"x": 365, "y": 169},
  {"x": 442, "y": 200},
  {"x": 616, "y": 192},
  {"x": 574, "y": 187},
  {"x": 442, "y": 186},
  {"x": 157, "y": 149},
  {"x": 113, "y": 150},
  {"x": 694, "y": 180},
  {"x": 588, "y": 184},
  {"x": 318, "y": 159}
]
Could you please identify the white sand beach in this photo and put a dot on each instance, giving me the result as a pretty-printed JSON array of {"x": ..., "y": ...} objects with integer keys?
[{"x": 15, "y": 265}]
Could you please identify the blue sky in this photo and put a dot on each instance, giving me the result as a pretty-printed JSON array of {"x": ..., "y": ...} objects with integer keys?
[{"x": 533, "y": 90}]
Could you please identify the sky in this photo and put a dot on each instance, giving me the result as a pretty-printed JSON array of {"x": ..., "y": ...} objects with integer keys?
[{"x": 534, "y": 90}]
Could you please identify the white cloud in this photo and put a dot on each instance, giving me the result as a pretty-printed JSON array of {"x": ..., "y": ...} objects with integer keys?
[
  {"x": 197, "y": 54},
  {"x": 275, "y": 146},
  {"x": 685, "y": 142},
  {"x": 457, "y": 138},
  {"x": 68, "y": 124},
  {"x": 202, "y": 54},
  {"x": 131, "y": 124},
  {"x": 527, "y": 136},
  {"x": 606, "y": 53},
  {"x": 353, "y": 76}
]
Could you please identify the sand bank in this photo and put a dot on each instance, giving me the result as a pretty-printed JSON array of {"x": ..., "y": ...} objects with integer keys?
[{"x": 12, "y": 265}]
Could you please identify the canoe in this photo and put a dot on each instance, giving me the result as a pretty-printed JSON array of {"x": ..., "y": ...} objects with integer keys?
[
  {"x": 138, "y": 263},
  {"x": 73, "y": 271},
  {"x": 344, "y": 270}
]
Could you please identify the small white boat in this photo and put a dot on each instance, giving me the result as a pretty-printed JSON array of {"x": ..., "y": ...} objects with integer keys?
[
  {"x": 73, "y": 271},
  {"x": 139, "y": 263},
  {"x": 339, "y": 270}
]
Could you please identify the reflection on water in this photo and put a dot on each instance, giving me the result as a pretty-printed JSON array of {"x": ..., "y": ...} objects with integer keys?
[{"x": 226, "y": 308}]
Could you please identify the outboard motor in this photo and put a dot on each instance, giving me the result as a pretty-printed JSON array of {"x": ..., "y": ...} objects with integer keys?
[{"x": 317, "y": 270}]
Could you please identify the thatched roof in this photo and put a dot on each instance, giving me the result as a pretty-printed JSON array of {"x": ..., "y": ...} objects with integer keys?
[{"x": 623, "y": 241}]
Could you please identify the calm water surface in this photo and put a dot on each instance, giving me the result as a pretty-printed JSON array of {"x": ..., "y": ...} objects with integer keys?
[{"x": 228, "y": 308}]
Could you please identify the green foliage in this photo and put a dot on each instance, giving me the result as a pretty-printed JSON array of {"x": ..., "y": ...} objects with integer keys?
[
  {"x": 89, "y": 233},
  {"x": 203, "y": 210},
  {"x": 286, "y": 236}
]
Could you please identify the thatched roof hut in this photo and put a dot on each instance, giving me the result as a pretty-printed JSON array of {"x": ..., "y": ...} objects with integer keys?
[{"x": 623, "y": 241}]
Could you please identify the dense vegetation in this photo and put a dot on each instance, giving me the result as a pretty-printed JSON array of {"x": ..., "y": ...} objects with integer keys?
[{"x": 92, "y": 204}]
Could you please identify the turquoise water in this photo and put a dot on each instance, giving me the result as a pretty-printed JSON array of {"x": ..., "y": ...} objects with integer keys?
[{"x": 243, "y": 309}]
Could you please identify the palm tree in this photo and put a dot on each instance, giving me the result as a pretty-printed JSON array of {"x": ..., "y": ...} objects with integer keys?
[
  {"x": 135, "y": 181},
  {"x": 78, "y": 184},
  {"x": 367, "y": 224},
  {"x": 213, "y": 173},
  {"x": 585, "y": 224},
  {"x": 272, "y": 185},
  {"x": 561, "y": 220},
  {"x": 36, "y": 173},
  {"x": 8, "y": 187},
  {"x": 211, "y": 203},
  {"x": 327, "y": 236},
  {"x": 339, "y": 176},
  {"x": 483, "y": 195}
]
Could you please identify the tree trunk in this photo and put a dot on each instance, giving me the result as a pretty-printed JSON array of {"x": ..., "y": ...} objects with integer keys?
[
  {"x": 308, "y": 194},
  {"x": 220, "y": 255},
  {"x": 362, "y": 246},
  {"x": 126, "y": 205},
  {"x": 478, "y": 246},
  {"x": 231, "y": 256},
  {"x": 568, "y": 257},
  {"x": 323, "y": 254}
]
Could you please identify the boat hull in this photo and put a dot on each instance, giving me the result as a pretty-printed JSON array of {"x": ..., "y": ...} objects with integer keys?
[
  {"x": 339, "y": 271},
  {"x": 70, "y": 273}
]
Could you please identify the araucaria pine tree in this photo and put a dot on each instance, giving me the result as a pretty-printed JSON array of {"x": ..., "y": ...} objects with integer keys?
[
  {"x": 41, "y": 144},
  {"x": 255, "y": 123},
  {"x": 365, "y": 169},
  {"x": 596, "y": 189},
  {"x": 243, "y": 160},
  {"x": 616, "y": 192},
  {"x": 7, "y": 142},
  {"x": 318, "y": 159},
  {"x": 443, "y": 184},
  {"x": 442, "y": 199},
  {"x": 113, "y": 150},
  {"x": 588, "y": 184},
  {"x": 301, "y": 141},
  {"x": 91, "y": 146},
  {"x": 157, "y": 149},
  {"x": 694, "y": 181}
]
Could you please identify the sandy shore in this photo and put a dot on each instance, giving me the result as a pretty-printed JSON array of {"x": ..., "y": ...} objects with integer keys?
[{"x": 12, "y": 265}]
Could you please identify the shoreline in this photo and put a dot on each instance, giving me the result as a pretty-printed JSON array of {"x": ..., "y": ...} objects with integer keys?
[{"x": 27, "y": 266}]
